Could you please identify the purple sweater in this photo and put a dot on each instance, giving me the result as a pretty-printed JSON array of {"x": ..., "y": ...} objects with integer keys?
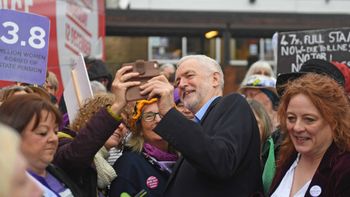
[{"x": 75, "y": 156}]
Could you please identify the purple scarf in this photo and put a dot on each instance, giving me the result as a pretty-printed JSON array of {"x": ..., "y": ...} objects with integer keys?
[
  {"x": 164, "y": 161},
  {"x": 159, "y": 154}
]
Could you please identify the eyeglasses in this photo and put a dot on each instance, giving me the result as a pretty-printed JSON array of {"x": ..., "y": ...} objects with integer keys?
[{"x": 150, "y": 116}]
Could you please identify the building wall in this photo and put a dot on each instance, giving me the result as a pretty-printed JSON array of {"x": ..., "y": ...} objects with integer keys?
[
  {"x": 233, "y": 78},
  {"x": 293, "y": 6},
  {"x": 121, "y": 50},
  {"x": 233, "y": 73}
]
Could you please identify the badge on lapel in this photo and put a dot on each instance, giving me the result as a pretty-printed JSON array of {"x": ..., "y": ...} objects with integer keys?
[
  {"x": 152, "y": 182},
  {"x": 315, "y": 191}
]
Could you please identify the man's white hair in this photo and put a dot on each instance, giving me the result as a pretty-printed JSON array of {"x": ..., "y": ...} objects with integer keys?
[{"x": 210, "y": 64}]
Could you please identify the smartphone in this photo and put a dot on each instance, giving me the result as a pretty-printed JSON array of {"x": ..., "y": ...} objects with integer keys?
[{"x": 147, "y": 70}]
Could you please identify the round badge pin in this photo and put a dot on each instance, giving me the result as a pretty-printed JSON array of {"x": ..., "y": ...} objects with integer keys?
[
  {"x": 152, "y": 182},
  {"x": 315, "y": 191}
]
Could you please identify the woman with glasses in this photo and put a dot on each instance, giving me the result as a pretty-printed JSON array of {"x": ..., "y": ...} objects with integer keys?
[
  {"x": 84, "y": 147},
  {"x": 147, "y": 160}
]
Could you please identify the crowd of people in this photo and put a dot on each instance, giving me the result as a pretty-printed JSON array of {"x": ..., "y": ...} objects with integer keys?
[{"x": 284, "y": 136}]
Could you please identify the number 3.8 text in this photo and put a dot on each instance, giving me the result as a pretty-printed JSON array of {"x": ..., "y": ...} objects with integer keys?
[{"x": 36, "y": 39}]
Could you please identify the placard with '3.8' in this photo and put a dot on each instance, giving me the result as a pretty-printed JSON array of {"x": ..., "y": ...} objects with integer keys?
[{"x": 24, "y": 39}]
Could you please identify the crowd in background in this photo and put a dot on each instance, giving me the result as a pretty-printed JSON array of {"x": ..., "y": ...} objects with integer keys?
[{"x": 284, "y": 136}]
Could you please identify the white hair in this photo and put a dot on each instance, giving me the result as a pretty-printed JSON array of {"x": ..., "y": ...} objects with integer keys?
[
  {"x": 210, "y": 64},
  {"x": 256, "y": 66},
  {"x": 261, "y": 64}
]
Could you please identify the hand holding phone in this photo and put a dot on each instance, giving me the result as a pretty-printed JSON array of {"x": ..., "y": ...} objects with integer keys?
[{"x": 147, "y": 70}]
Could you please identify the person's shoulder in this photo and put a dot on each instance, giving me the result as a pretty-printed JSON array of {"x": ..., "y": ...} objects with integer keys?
[
  {"x": 131, "y": 164},
  {"x": 129, "y": 158},
  {"x": 338, "y": 162},
  {"x": 63, "y": 177},
  {"x": 129, "y": 154},
  {"x": 338, "y": 172},
  {"x": 233, "y": 96},
  {"x": 57, "y": 171},
  {"x": 342, "y": 159},
  {"x": 234, "y": 99},
  {"x": 65, "y": 136}
]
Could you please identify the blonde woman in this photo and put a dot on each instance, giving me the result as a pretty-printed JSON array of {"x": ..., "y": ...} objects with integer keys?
[
  {"x": 13, "y": 180},
  {"x": 148, "y": 160}
]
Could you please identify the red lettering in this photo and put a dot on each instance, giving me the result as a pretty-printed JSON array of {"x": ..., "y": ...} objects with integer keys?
[
  {"x": 20, "y": 5},
  {"x": 67, "y": 31},
  {"x": 81, "y": 15},
  {"x": 78, "y": 41}
]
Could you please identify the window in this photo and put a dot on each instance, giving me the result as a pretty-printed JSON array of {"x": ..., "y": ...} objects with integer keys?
[{"x": 165, "y": 48}]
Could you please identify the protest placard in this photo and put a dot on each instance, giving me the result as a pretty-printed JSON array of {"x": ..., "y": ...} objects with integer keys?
[
  {"x": 23, "y": 46},
  {"x": 78, "y": 89},
  {"x": 294, "y": 48}
]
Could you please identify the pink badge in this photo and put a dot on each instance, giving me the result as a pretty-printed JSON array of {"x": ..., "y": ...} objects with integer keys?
[{"x": 152, "y": 182}]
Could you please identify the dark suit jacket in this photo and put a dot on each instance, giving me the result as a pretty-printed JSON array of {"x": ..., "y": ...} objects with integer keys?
[
  {"x": 332, "y": 175},
  {"x": 220, "y": 155}
]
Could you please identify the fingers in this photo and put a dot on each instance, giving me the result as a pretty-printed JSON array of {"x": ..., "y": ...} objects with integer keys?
[
  {"x": 146, "y": 89},
  {"x": 157, "y": 87},
  {"x": 158, "y": 92},
  {"x": 152, "y": 82},
  {"x": 121, "y": 71},
  {"x": 124, "y": 69},
  {"x": 124, "y": 74},
  {"x": 123, "y": 81},
  {"x": 122, "y": 77},
  {"x": 159, "y": 78},
  {"x": 161, "y": 88},
  {"x": 131, "y": 84}
]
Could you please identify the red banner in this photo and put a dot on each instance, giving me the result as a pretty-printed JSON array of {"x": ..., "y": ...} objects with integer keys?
[{"x": 75, "y": 27}]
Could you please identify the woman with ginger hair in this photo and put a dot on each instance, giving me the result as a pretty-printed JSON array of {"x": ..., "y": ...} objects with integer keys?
[{"x": 314, "y": 158}]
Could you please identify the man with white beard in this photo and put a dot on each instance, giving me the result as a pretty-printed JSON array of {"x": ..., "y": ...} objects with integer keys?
[{"x": 221, "y": 150}]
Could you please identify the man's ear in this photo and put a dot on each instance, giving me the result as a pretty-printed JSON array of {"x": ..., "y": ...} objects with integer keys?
[{"x": 216, "y": 79}]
